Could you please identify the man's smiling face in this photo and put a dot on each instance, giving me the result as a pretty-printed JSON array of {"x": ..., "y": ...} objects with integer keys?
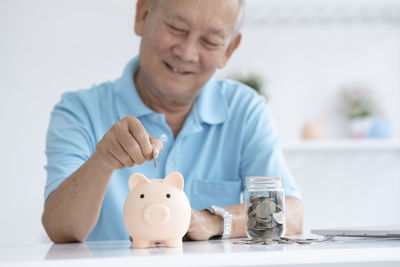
[{"x": 184, "y": 42}]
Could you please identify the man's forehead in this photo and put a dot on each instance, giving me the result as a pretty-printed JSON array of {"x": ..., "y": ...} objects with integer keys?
[
  {"x": 236, "y": 3},
  {"x": 211, "y": 29},
  {"x": 183, "y": 16}
]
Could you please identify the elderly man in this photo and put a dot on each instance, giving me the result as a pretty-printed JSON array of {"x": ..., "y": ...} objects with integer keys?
[{"x": 166, "y": 105}]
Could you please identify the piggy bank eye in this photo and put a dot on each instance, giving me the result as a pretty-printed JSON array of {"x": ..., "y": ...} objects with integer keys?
[
  {"x": 141, "y": 196},
  {"x": 168, "y": 195}
]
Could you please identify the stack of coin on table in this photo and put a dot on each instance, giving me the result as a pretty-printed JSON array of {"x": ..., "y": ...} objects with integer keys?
[
  {"x": 266, "y": 216},
  {"x": 282, "y": 240}
]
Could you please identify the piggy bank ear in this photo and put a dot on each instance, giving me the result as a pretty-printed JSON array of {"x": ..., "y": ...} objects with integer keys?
[
  {"x": 137, "y": 179},
  {"x": 176, "y": 179}
]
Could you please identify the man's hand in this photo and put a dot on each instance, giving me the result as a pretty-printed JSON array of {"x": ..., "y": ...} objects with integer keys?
[
  {"x": 73, "y": 209},
  {"x": 204, "y": 225},
  {"x": 126, "y": 144}
]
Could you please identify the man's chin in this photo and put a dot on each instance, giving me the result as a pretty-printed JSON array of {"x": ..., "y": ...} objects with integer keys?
[{"x": 178, "y": 95}]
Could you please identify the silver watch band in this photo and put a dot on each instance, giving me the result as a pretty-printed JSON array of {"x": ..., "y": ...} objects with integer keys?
[{"x": 227, "y": 216}]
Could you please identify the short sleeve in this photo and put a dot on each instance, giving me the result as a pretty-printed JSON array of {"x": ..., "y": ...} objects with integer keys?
[
  {"x": 69, "y": 143},
  {"x": 262, "y": 154}
]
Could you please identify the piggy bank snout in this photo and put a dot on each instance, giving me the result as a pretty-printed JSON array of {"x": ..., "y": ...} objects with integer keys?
[{"x": 156, "y": 214}]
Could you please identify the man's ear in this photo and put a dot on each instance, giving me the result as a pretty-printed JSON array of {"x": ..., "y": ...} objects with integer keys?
[
  {"x": 142, "y": 10},
  {"x": 229, "y": 51}
]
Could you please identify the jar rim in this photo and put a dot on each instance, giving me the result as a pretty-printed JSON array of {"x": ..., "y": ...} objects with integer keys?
[
  {"x": 271, "y": 179},
  {"x": 263, "y": 181}
]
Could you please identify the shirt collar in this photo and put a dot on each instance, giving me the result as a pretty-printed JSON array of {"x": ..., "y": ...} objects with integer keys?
[
  {"x": 127, "y": 98},
  {"x": 210, "y": 104}
]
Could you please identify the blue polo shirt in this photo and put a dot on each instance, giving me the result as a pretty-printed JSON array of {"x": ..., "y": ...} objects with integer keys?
[{"x": 228, "y": 135}]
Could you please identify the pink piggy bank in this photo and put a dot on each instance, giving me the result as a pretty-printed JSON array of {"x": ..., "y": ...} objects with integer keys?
[{"x": 156, "y": 210}]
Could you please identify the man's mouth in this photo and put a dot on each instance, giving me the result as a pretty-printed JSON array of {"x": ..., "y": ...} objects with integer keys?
[{"x": 177, "y": 70}]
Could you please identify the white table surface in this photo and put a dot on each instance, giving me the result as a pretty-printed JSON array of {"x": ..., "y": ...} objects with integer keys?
[{"x": 342, "y": 252}]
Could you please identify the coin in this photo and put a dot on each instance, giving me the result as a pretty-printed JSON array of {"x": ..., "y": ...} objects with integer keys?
[
  {"x": 264, "y": 220},
  {"x": 285, "y": 241},
  {"x": 155, "y": 156},
  {"x": 271, "y": 224},
  {"x": 281, "y": 240},
  {"x": 265, "y": 208},
  {"x": 272, "y": 195},
  {"x": 303, "y": 241},
  {"x": 265, "y": 216},
  {"x": 254, "y": 198},
  {"x": 268, "y": 242},
  {"x": 279, "y": 198},
  {"x": 251, "y": 223},
  {"x": 279, "y": 201},
  {"x": 252, "y": 213},
  {"x": 279, "y": 217}
]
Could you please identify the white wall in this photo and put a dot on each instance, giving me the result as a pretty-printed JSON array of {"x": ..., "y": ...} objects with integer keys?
[
  {"x": 49, "y": 47},
  {"x": 348, "y": 187},
  {"x": 305, "y": 69},
  {"x": 46, "y": 48},
  {"x": 308, "y": 52}
]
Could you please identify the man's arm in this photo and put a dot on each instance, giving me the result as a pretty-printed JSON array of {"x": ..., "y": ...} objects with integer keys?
[
  {"x": 294, "y": 215},
  {"x": 71, "y": 211},
  {"x": 204, "y": 225}
]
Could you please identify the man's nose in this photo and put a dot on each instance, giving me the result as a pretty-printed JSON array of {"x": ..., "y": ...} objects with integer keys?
[{"x": 187, "y": 50}]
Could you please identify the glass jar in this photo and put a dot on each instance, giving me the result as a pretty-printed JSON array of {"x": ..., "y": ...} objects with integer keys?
[{"x": 265, "y": 207}]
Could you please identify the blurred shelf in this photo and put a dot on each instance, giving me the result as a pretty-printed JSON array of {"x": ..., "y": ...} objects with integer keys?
[{"x": 343, "y": 145}]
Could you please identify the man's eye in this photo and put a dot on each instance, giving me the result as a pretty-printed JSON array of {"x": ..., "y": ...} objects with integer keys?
[
  {"x": 209, "y": 43},
  {"x": 176, "y": 29}
]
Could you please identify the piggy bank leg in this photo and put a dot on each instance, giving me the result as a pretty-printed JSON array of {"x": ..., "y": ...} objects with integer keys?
[
  {"x": 173, "y": 243},
  {"x": 141, "y": 243}
]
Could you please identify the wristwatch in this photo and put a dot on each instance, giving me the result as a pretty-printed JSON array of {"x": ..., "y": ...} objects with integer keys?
[{"x": 227, "y": 216}]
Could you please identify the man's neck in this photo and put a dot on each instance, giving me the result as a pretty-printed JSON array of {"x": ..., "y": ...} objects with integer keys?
[{"x": 175, "y": 111}]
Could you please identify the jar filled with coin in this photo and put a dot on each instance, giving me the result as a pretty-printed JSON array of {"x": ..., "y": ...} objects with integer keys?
[{"x": 265, "y": 207}]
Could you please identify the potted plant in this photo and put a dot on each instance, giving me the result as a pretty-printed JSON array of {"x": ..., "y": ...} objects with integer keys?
[
  {"x": 252, "y": 80},
  {"x": 361, "y": 109}
]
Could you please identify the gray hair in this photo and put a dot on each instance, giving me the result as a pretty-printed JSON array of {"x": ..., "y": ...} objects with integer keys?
[{"x": 239, "y": 16}]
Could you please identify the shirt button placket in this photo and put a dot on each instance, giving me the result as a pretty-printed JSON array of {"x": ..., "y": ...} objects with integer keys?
[
  {"x": 163, "y": 138},
  {"x": 170, "y": 164}
]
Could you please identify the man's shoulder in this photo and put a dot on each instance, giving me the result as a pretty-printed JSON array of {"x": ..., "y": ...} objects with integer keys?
[
  {"x": 91, "y": 104},
  {"x": 236, "y": 93},
  {"x": 89, "y": 96}
]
